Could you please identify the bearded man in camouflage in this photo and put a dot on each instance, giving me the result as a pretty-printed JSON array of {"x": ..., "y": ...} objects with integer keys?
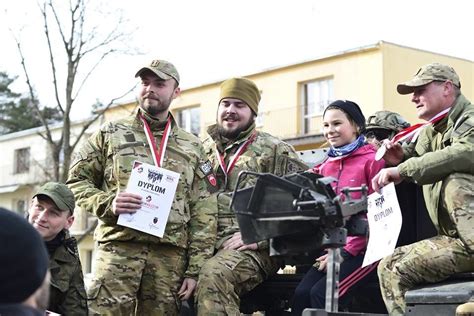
[
  {"x": 442, "y": 160},
  {"x": 137, "y": 273},
  {"x": 235, "y": 145}
]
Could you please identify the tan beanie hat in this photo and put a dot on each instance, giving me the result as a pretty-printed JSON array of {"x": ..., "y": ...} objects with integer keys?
[{"x": 242, "y": 89}]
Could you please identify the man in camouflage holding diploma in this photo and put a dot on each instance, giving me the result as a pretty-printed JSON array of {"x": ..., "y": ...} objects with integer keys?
[
  {"x": 137, "y": 273},
  {"x": 235, "y": 145},
  {"x": 442, "y": 161}
]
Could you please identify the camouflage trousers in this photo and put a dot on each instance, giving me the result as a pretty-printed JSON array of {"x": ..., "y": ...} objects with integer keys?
[
  {"x": 434, "y": 259},
  {"x": 227, "y": 276},
  {"x": 136, "y": 279},
  {"x": 427, "y": 261},
  {"x": 457, "y": 198}
]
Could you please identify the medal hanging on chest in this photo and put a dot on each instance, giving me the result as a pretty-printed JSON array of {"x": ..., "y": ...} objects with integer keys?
[{"x": 158, "y": 155}]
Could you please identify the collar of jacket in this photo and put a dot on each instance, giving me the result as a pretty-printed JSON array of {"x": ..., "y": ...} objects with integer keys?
[
  {"x": 224, "y": 144},
  {"x": 155, "y": 124},
  {"x": 63, "y": 253},
  {"x": 56, "y": 242},
  {"x": 456, "y": 109}
]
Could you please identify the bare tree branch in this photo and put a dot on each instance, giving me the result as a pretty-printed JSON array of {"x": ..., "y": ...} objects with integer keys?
[
  {"x": 60, "y": 28},
  {"x": 99, "y": 114},
  {"x": 51, "y": 57},
  {"x": 75, "y": 51},
  {"x": 101, "y": 58},
  {"x": 31, "y": 91}
]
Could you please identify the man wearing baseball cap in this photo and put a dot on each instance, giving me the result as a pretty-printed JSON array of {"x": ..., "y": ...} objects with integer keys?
[
  {"x": 52, "y": 213},
  {"x": 442, "y": 161},
  {"x": 235, "y": 145},
  {"x": 24, "y": 277},
  {"x": 138, "y": 273}
]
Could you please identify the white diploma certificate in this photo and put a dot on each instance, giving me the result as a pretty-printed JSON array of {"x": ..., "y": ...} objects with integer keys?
[
  {"x": 385, "y": 222},
  {"x": 157, "y": 187}
]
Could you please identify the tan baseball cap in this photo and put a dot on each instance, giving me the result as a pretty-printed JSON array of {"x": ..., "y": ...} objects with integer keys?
[
  {"x": 429, "y": 73},
  {"x": 162, "y": 68}
]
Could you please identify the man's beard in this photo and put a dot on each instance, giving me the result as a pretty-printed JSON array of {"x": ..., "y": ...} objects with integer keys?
[
  {"x": 233, "y": 134},
  {"x": 155, "y": 110}
]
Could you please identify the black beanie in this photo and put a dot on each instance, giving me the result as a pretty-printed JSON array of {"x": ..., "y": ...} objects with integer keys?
[
  {"x": 352, "y": 109},
  {"x": 24, "y": 260}
]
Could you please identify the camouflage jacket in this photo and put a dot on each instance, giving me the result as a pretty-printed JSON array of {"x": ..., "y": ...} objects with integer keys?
[
  {"x": 67, "y": 291},
  {"x": 265, "y": 153},
  {"x": 103, "y": 166},
  {"x": 440, "y": 150}
]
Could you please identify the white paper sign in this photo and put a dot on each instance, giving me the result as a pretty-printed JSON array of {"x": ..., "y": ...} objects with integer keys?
[
  {"x": 157, "y": 187},
  {"x": 385, "y": 222}
]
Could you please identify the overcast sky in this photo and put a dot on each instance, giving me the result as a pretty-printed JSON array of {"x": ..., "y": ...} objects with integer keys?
[{"x": 211, "y": 40}]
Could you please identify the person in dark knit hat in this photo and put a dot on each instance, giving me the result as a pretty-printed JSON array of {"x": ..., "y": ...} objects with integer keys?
[
  {"x": 235, "y": 145},
  {"x": 52, "y": 213},
  {"x": 351, "y": 163},
  {"x": 24, "y": 276}
]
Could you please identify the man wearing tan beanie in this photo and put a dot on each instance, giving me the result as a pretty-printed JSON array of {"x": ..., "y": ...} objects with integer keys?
[{"x": 234, "y": 145}]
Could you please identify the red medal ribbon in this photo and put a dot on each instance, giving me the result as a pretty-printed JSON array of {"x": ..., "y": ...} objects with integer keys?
[
  {"x": 158, "y": 156},
  {"x": 238, "y": 153},
  {"x": 413, "y": 131}
]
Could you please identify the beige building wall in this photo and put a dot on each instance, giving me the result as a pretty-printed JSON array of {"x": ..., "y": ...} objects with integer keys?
[
  {"x": 282, "y": 103},
  {"x": 18, "y": 188},
  {"x": 367, "y": 75},
  {"x": 401, "y": 63}
]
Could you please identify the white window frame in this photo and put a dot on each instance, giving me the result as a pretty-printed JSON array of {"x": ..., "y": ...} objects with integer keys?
[
  {"x": 22, "y": 158},
  {"x": 184, "y": 118},
  {"x": 316, "y": 96},
  {"x": 261, "y": 112}
]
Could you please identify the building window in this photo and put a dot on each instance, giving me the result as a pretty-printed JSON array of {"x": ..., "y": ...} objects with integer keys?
[
  {"x": 22, "y": 160},
  {"x": 20, "y": 206},
  {"x": 189, "y": 119},
  {"x": 89, "y": 261},
  {"x": 316, "y": 96},
  {"x": 261, "y": 112}
]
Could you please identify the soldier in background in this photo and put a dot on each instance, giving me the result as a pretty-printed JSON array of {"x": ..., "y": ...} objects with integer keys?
[
  {"x": 384, "y": 125},
  {"x": 416, "y": 222},
  {"x": 234, "y": 145},
  {"x": 137, "y": 273},
  {"x": 52, "y": 213},
  {"x": 442, "y": 160}
]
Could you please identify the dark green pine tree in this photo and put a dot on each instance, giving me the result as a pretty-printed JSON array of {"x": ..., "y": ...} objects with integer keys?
[{"x": 16, "y": 112}]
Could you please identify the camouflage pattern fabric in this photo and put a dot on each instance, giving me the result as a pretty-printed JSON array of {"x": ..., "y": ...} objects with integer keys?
[
  {"x": 67, "y": 291},
  {"x": 102, "y": 168},
  {"x": 439, "y": 152},
  {"x": 427, "y": 74},
  {"x": 427, "y": 261},
  {"x": 441, "y": 160},
  {"x": 133, "y": 278},
  {"x": 224, "y": 278},
  {"x": 231, "y": 273},
  {"x": 162, "y": 68},
  {"x": 386, "y": 120}
]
